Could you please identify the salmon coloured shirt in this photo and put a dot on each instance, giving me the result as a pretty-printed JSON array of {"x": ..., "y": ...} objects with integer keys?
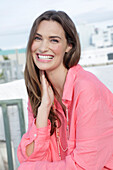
[{"x": 90, "y": 143}]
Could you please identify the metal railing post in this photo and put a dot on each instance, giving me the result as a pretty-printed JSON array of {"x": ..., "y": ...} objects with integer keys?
[
  {"x": 4, "y": 104},
  {"x": 7, "y": 136}
]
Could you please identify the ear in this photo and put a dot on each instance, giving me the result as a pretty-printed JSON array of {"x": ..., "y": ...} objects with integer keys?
[{"x": 69, "y": 47}]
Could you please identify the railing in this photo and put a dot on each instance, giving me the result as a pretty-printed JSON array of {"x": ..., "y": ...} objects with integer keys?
[
  {"x": 4, "y": 105},
  {"x": 10, "y": 70}
]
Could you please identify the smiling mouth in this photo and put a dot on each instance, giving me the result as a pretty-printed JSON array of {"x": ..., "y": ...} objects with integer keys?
[{"x": 44, "y": 57}]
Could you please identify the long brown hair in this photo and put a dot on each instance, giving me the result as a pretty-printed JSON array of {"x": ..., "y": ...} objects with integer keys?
[{"x": 31, "y": 73}]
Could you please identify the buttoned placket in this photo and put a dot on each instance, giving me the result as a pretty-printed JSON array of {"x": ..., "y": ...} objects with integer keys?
[{"x": 66, "y": 118}]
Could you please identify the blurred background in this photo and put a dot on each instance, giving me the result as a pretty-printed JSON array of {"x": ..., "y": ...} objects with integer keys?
[{"x": 94, "y": 23}]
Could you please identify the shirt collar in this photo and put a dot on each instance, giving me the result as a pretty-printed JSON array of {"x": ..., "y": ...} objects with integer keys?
[{"x": 69, "y": 83}]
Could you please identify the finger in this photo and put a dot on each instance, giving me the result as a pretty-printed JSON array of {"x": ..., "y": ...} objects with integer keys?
[
  {"x": 42, "y": 76},
  {"x": 41, "y": 72},
  {"x": 44, "y": 82}
]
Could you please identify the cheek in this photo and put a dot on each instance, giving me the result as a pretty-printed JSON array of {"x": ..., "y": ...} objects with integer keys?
[
  {"x": 57, "y": 49},
  {"x": 33, "y": 47}
]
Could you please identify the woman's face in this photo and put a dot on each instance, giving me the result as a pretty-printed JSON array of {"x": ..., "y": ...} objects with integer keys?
[{"x": 49, "y": 46}]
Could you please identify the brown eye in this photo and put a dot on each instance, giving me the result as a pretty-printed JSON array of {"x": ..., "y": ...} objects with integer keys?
[
  {"x": 54, "y": 41},
  {"x": 37, "y": 38}
]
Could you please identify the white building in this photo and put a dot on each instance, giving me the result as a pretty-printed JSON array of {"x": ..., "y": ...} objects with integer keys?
[
  {"x": 85, "y": 32},
  {"x": 103, "y": 37},
  {"x": 97, "y": 44},
  {"x": 97, "y": 56}
]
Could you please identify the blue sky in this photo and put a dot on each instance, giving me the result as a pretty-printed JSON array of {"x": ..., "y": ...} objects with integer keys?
[{"x": 17, "y": 16}]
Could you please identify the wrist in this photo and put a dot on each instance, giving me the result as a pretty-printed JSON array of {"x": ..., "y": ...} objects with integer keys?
[
  {"x": 44, "y": 107},
  {"x": 42, "y": 116}
]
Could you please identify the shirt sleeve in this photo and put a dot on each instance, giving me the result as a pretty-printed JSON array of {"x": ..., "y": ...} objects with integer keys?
[
  {"x": 94, "y": 133},
  {"x": 94, "y": 126},
  {"x": 40, "y": 136}
]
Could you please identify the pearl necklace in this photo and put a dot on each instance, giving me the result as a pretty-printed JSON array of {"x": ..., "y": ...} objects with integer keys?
[{"x": 58, "y": 136}]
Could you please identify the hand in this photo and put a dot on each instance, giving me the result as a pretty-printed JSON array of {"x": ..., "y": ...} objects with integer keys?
[
  {"x": 47, "y": 92},
  {"x": 46, "y": 103}
]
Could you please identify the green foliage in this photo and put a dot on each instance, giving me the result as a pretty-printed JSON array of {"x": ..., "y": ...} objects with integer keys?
[
  {"x": 5, "y": 57},
  {"x": 1, "y": 74}
]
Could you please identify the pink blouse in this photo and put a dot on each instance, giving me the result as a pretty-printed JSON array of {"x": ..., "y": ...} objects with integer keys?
[{"x": 90, "y": 144}]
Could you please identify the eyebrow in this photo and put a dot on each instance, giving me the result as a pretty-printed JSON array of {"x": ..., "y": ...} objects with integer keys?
[
  {"x": 54, "y": 36},
  {"x": 38, "y": 34}
]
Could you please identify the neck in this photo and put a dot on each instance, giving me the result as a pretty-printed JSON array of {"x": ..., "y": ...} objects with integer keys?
[{"x": 57, "y": 79}]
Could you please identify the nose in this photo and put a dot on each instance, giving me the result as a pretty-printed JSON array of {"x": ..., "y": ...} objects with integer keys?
[{"x": 43, "y": 46}]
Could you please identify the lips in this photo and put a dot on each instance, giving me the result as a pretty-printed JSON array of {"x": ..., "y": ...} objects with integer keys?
[{"x": 44, "y": 57}]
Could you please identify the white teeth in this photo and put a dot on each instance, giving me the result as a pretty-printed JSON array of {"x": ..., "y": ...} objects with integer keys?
[{"x": 44, "y": 57}]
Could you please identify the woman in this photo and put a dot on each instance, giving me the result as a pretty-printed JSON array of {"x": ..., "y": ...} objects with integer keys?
[{"x": 70, "y": 112}]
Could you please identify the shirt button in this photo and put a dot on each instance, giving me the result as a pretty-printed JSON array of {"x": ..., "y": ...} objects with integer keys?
[{"x": 35, "y": 135}]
